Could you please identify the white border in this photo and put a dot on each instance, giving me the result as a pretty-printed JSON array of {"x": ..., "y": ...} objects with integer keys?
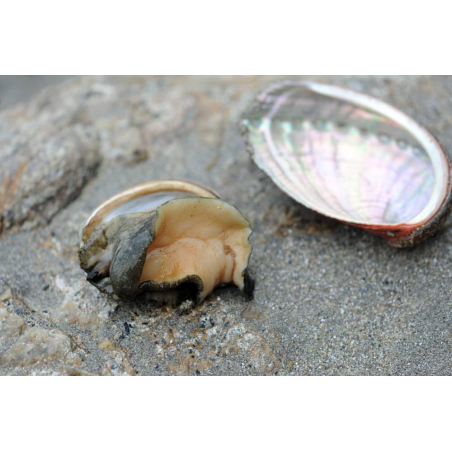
[
  {"x": 246, "y": 36},
  {"x": 319, "y": 414}
]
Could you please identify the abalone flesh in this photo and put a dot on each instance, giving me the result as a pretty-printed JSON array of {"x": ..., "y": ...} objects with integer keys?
[{"x": 167, "y": 241}]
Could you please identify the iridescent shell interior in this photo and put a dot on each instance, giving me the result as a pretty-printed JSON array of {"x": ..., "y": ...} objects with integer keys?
[{"x": 347, "y": 155}]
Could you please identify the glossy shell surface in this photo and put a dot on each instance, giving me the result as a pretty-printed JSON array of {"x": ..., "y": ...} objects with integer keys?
[{"x": 351, "y": 157}]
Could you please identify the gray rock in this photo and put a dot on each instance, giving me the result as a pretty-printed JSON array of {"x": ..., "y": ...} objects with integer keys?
[
  {"x": 47, "y": 156},
  {"x": 329, "y": 300}
]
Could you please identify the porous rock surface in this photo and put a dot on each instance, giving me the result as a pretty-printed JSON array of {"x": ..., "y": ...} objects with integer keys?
[{"x": 329, "y": 300}]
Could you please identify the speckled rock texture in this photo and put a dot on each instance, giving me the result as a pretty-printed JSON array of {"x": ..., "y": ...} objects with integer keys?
[{"x": 329, "y": 299}]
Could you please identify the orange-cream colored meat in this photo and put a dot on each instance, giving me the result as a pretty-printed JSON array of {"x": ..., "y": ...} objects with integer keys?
[{"x": 198, "y": 236}]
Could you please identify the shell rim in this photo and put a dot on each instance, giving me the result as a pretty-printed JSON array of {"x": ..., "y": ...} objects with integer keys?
[{"x": 152, "y": 186}]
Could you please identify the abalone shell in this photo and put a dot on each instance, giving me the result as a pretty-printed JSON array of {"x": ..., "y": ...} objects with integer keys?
[{"x": 351, "y": 157}]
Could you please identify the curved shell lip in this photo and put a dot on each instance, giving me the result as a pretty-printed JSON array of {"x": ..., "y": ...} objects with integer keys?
[
  {"x": 153, "y": 186},
  {"x": 439, "y": 205}
]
